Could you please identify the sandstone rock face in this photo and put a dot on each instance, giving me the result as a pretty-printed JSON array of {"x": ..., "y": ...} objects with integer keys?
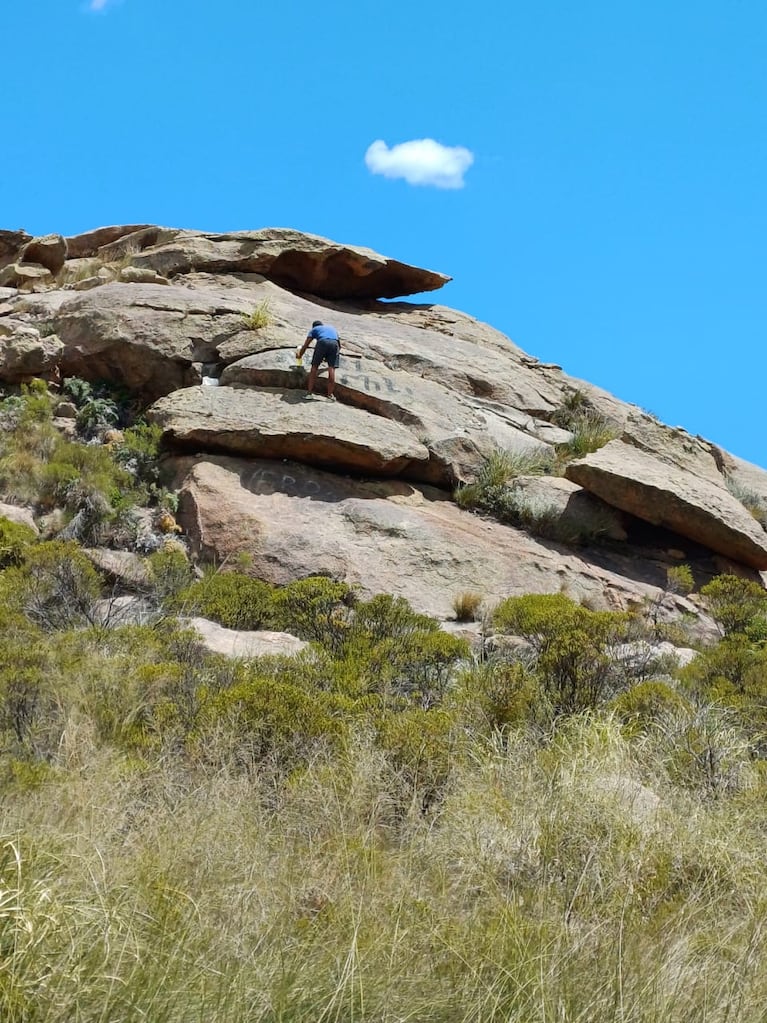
[
  {"x": 89, "y": 243},
  {"x": 49, "y": 251},
  {"x": 276, "y": 424},
  {"x": 293, "y": 521},
  {"x": 145, "y": 336},
  {"x": 425, "y": 394},
  {"x": 690, "y": 505},
  {"x": 458, "y": 435},
  {"x": 234, "y": 643},
  {"x": 294, "y": 260},
  {"x": 11, "y": 244},
  {"x": 24, "y": 354}
]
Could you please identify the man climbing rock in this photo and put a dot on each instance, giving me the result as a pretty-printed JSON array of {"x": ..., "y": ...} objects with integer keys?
[{"x": 327, "y": 348}]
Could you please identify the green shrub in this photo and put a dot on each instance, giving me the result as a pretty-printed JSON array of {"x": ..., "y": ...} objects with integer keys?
[
  {"x": 416, "y": 668},
  {"x": 499, "y": 695},
  {"x": 170, "y": 572},
  {"x": 490, "y": 491},
  {"x": 572, "y": 645},
  {"x": 423, "y": 746},
  {"x": 648, "y": 703},
  {"x": 14, "y": 539},
  {"x": 233, "y": 600},
  {"x": 734, "y": 603},
  {"x": 55, "y": 585},
  {"x": 315, "y": 609},
  {"x": 138, "y": 453},
  {"x": 591, "y": 432},
  {"x": 679, "y": 579},
  {"x": 259, "y": 718}
]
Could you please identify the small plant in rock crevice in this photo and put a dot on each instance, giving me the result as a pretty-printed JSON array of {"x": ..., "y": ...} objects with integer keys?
[{"x": 260, "y": 317}]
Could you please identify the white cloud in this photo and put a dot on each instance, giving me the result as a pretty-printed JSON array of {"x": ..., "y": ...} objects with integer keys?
[
  {"x": 98, "y": 5},
  {"x": 420, "y": 162}
]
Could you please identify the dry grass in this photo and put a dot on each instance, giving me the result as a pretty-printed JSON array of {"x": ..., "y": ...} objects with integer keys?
[{"x": 558, "y": 881}]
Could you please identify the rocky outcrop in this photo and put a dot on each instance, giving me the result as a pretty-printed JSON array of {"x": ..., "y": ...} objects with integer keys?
[
  {"x": 50, "y": 251},
  {"x": 300, "y": 262},
  {"x": 689, "y": 505},
  {"x": 11, "y": 245},
  {"x": 277, "y": 424},
  {"x": 89, "y": 243},
  {"x": 292, "y": 521},
  {"x": 24, "y": 353},
  {"x": 425, "y": 394}
]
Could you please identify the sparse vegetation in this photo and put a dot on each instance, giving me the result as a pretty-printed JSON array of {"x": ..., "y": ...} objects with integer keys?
[
  {"x": 495, "y": 493},
  {"x": 378, "y": 829},
  {"x": 589, "y": 428},
  {"x": 466, "y": 606},
  {"x": 260, "y": 317},
  {"x": 679, "y": 579}
]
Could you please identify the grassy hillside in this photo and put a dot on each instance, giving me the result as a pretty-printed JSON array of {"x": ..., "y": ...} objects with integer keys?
[{"x": 387, "y": 827}]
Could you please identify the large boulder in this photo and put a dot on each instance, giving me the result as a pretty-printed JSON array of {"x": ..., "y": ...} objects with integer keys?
[
  {"x": 24, "y": 353},
  {"x": 149, "y": 337},
  {"x": 667, "y": 496},
  {"x": 237, "y": 643},
  {"x": 285, "y": 424},
  {"x": 293, "y": 521},
  {"x": 292, "y": 259},
  {"x": 49, "y": 251},
  {"x": 11, "y": 244},
  {"x": 89, "y": 243},
  {"x": 458, "y": 436}
]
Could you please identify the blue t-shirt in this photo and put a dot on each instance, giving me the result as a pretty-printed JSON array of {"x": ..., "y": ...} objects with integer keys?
[{"x": 324, "y": 333}]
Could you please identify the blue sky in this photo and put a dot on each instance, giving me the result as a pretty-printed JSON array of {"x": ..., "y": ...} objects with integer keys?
[{"x": 610, "y": 214}]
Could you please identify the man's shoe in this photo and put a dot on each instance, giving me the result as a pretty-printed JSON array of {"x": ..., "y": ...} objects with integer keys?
[{"x": 331, "y": 397}]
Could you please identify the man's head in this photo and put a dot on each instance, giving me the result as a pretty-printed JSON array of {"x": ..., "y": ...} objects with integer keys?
[{"x": 317, "y": 323}]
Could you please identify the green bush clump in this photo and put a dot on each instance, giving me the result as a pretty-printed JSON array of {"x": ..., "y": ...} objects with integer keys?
[
  {"x": 138, "y": 453},
  {"x": 679, "y": 579},
  {"x": 499, "y": 696},
  {"x": 423, "y": 746},
  {"x": 259, "y": 718},
  {"x": 171, "y": 574},
  {"x": 14, "y": 540},
  {"x": 572, "y": 644},
  {"x": 735, "y": 604},
  {"x": 233, "y": 600},
  {"x": 315, "y": 609},
  {"x": 55, "y": 585},
  {"x": 647, "y": 703}
]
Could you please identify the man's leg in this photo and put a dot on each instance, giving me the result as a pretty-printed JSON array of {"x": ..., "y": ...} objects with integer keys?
[
  {"x": 312, "y": 379},
  {"x": 331, "y": 380}
]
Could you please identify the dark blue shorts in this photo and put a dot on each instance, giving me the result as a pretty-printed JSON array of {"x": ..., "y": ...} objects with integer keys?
[{"x": 326, "y": 351}]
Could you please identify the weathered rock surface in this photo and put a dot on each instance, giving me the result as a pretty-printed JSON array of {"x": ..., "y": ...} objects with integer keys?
[
  {"x": 425, "y": 394},
  {"x": 234, "y": 643},
  {"x": 294, "y": 260},
  {"x": 11, "y": 244},
  {"x": 689, "y": 505},
  {"x": 24, "y": 354},
  {"x": 49, "y": 251},
  {"x": 458, "y": 435},
  {"x": 576, "y": 510},
  {"x": 89, "y": 243},
  {"x": 292, "y": 522},
  {"x": 278, "y": 424}
]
